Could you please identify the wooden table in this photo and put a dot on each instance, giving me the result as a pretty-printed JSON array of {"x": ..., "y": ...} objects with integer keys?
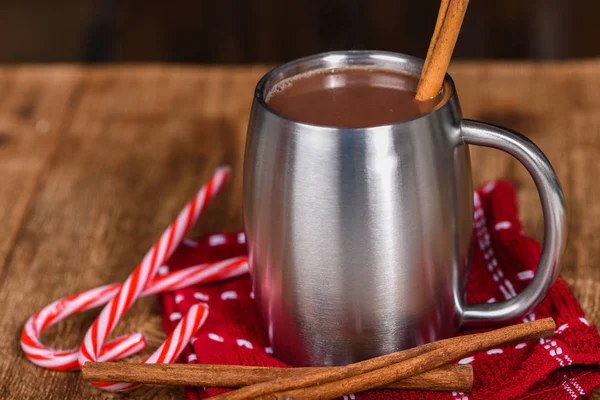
[{"x": 95, "y": 162}]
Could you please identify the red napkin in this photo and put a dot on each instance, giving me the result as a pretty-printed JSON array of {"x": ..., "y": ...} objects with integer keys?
[{"x": 562, "y": 367}]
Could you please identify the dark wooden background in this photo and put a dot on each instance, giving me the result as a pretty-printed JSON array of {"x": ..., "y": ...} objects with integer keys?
[{"x": 249, "y": 31}]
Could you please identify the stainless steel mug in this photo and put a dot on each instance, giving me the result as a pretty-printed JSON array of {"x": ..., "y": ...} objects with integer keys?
[{"x": 360, "y": 239}]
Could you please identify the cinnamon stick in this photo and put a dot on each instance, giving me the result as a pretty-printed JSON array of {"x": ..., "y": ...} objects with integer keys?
[
  {"x": 452, "y": 378},
  {"x": 436, "y": 32},
  {"x": 380, "y": 371},
  {"x": 441, "y": 48}
]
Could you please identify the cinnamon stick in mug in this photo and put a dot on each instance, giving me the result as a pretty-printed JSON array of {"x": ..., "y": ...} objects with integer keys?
[{"x": 447, "y": 28}]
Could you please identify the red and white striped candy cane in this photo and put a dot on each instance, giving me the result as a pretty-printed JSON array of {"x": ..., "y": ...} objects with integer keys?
[
  {"x": 123, "y": 346},
  {"x": 95, "y": 338}
]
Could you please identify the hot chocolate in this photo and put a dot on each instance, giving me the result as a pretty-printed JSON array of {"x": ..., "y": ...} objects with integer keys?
[{"x": 350, "y": 97}]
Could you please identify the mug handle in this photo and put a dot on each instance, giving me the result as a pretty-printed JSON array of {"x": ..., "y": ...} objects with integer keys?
[{"x": 553, "y": 206}]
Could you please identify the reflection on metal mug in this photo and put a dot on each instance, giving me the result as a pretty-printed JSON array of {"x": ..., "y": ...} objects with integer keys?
[{"x": 360, "y": 239}]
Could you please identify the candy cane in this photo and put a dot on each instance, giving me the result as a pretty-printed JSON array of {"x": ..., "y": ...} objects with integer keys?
[
  {"x": 121, "y": 297},
  {"x": 123, "y": 346}
]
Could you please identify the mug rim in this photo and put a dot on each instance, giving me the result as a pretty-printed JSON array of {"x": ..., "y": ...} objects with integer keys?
[{"x": 348, "y": 58}]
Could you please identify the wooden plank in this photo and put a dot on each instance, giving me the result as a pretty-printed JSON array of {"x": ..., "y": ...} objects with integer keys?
[
  {"x": 127, "y": 146},
  {"x": 33, "y": 106}
]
